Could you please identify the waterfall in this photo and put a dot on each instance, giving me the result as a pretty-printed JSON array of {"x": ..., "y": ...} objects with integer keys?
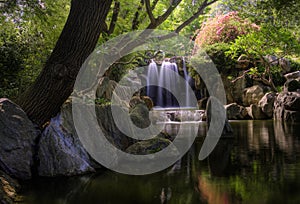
[
  {"x": 167, "y": 79},
  {"x": 152, "y": 77}
]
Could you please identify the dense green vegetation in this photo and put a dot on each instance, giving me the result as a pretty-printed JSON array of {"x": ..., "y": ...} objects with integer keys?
[
  {"x": 29, "y": 31},
  {"x": 28, "y": 34}
]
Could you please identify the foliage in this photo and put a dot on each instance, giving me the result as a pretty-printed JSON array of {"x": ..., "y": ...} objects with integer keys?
[
  {"x": 279, "y": 42},
  {"x": 269, "y": 40},
  {"x": 102, "y": 101},
  {"x": 279, "y": 13},
  {"x": 28, "y": 34},
  {"x": 223, "y": 29},
  {"x": 217, "y": 52}
]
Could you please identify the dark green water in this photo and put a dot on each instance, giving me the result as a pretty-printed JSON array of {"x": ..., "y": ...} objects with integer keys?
[{"x": 261, "y": 164}]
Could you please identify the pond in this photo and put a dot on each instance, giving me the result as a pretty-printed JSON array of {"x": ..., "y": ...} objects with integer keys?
[{"x": 261, "y": 164}]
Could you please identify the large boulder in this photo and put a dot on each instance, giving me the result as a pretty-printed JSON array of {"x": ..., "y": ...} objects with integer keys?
[
  {"x": 234, "y": 89},
  {"x": 267, "y": 104},
  {"x": 252, "y": 95},
  {"x": 112, "y": 132},
  {"x": 140, "y": 115},
  {"x": 236, "y": 112},
  {"x": 287, "y": 107},
  {"x": 60, "y": 150},
  {"x": 237, "y": 89},
  {"x": 256, "y": 113},
  {"x": 17, "y": 140}
]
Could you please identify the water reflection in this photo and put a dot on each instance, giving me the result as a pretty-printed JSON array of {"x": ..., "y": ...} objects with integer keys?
[{"x": 261, "y": 164}]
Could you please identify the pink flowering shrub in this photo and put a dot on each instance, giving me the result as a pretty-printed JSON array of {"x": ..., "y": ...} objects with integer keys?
[{"x": 223, "y": 28}]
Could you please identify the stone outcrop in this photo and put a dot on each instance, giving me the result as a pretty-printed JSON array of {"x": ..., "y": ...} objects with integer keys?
[
  {"x": 287, "y": 107},
  {"x": 267, "y": 104},
  {"x": 256, "y": 113},
  {"x": 236, "y": 112},
  {"x": 17, "y": 140},
  {"x": 140, "y": 115},
  {"x": 292, "y": 85},
  {"x": 60, "y": 150},
  {"x": 252, "y": 95}
]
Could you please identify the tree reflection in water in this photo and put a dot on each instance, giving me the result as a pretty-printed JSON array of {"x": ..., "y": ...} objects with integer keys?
[{"x": 261, "y": 164}]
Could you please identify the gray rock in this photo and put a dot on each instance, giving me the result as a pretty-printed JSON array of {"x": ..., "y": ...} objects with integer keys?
[
  {"x": 237, "y": 89},
  {"x": 252, "y": 95},
  {"x": 256, "y": 113},
  {"x": 148, "y": 146},
  {"x": 236, "y": 112},
  {"x": 61, "y": 152},
  {"x": 292, "y": 75},
  {"x": 287, "y": 107},
  {"x": 17, "y": 140},
  {"x": 140, "y": 115},
  {"x": 292, "y": 85},
  {"x": 267, "y": 104},
  {"x": 112, "y": 132}
]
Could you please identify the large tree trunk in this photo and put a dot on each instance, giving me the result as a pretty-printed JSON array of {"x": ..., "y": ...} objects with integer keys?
[{"x": 78, "y": 39}]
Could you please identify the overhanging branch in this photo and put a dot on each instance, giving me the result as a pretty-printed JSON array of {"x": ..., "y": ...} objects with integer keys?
[{"x": 149, "y": 11}]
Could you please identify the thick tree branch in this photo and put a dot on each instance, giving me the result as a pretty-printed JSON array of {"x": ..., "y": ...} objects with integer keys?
[
  {"x": 160, "y": 19},
  {"x": 149, "y": 11}
]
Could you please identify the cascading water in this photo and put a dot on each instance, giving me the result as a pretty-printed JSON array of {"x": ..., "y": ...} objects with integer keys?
[
  {"x": 165, "y": 76},
  {"x": 167, "y": 79},
  {"x": 152, "y": 78}
]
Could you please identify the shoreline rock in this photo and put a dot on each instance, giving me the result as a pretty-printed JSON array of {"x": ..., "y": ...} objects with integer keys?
[{"x": 18, "y": 136}]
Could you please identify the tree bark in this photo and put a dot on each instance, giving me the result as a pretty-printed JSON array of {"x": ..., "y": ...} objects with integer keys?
[{"x": 77, "y": 41}]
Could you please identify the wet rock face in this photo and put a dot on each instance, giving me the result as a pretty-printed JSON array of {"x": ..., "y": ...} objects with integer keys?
[
  {"x": 287, "y": 107},
  {"x": 17, "y": 140}
]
